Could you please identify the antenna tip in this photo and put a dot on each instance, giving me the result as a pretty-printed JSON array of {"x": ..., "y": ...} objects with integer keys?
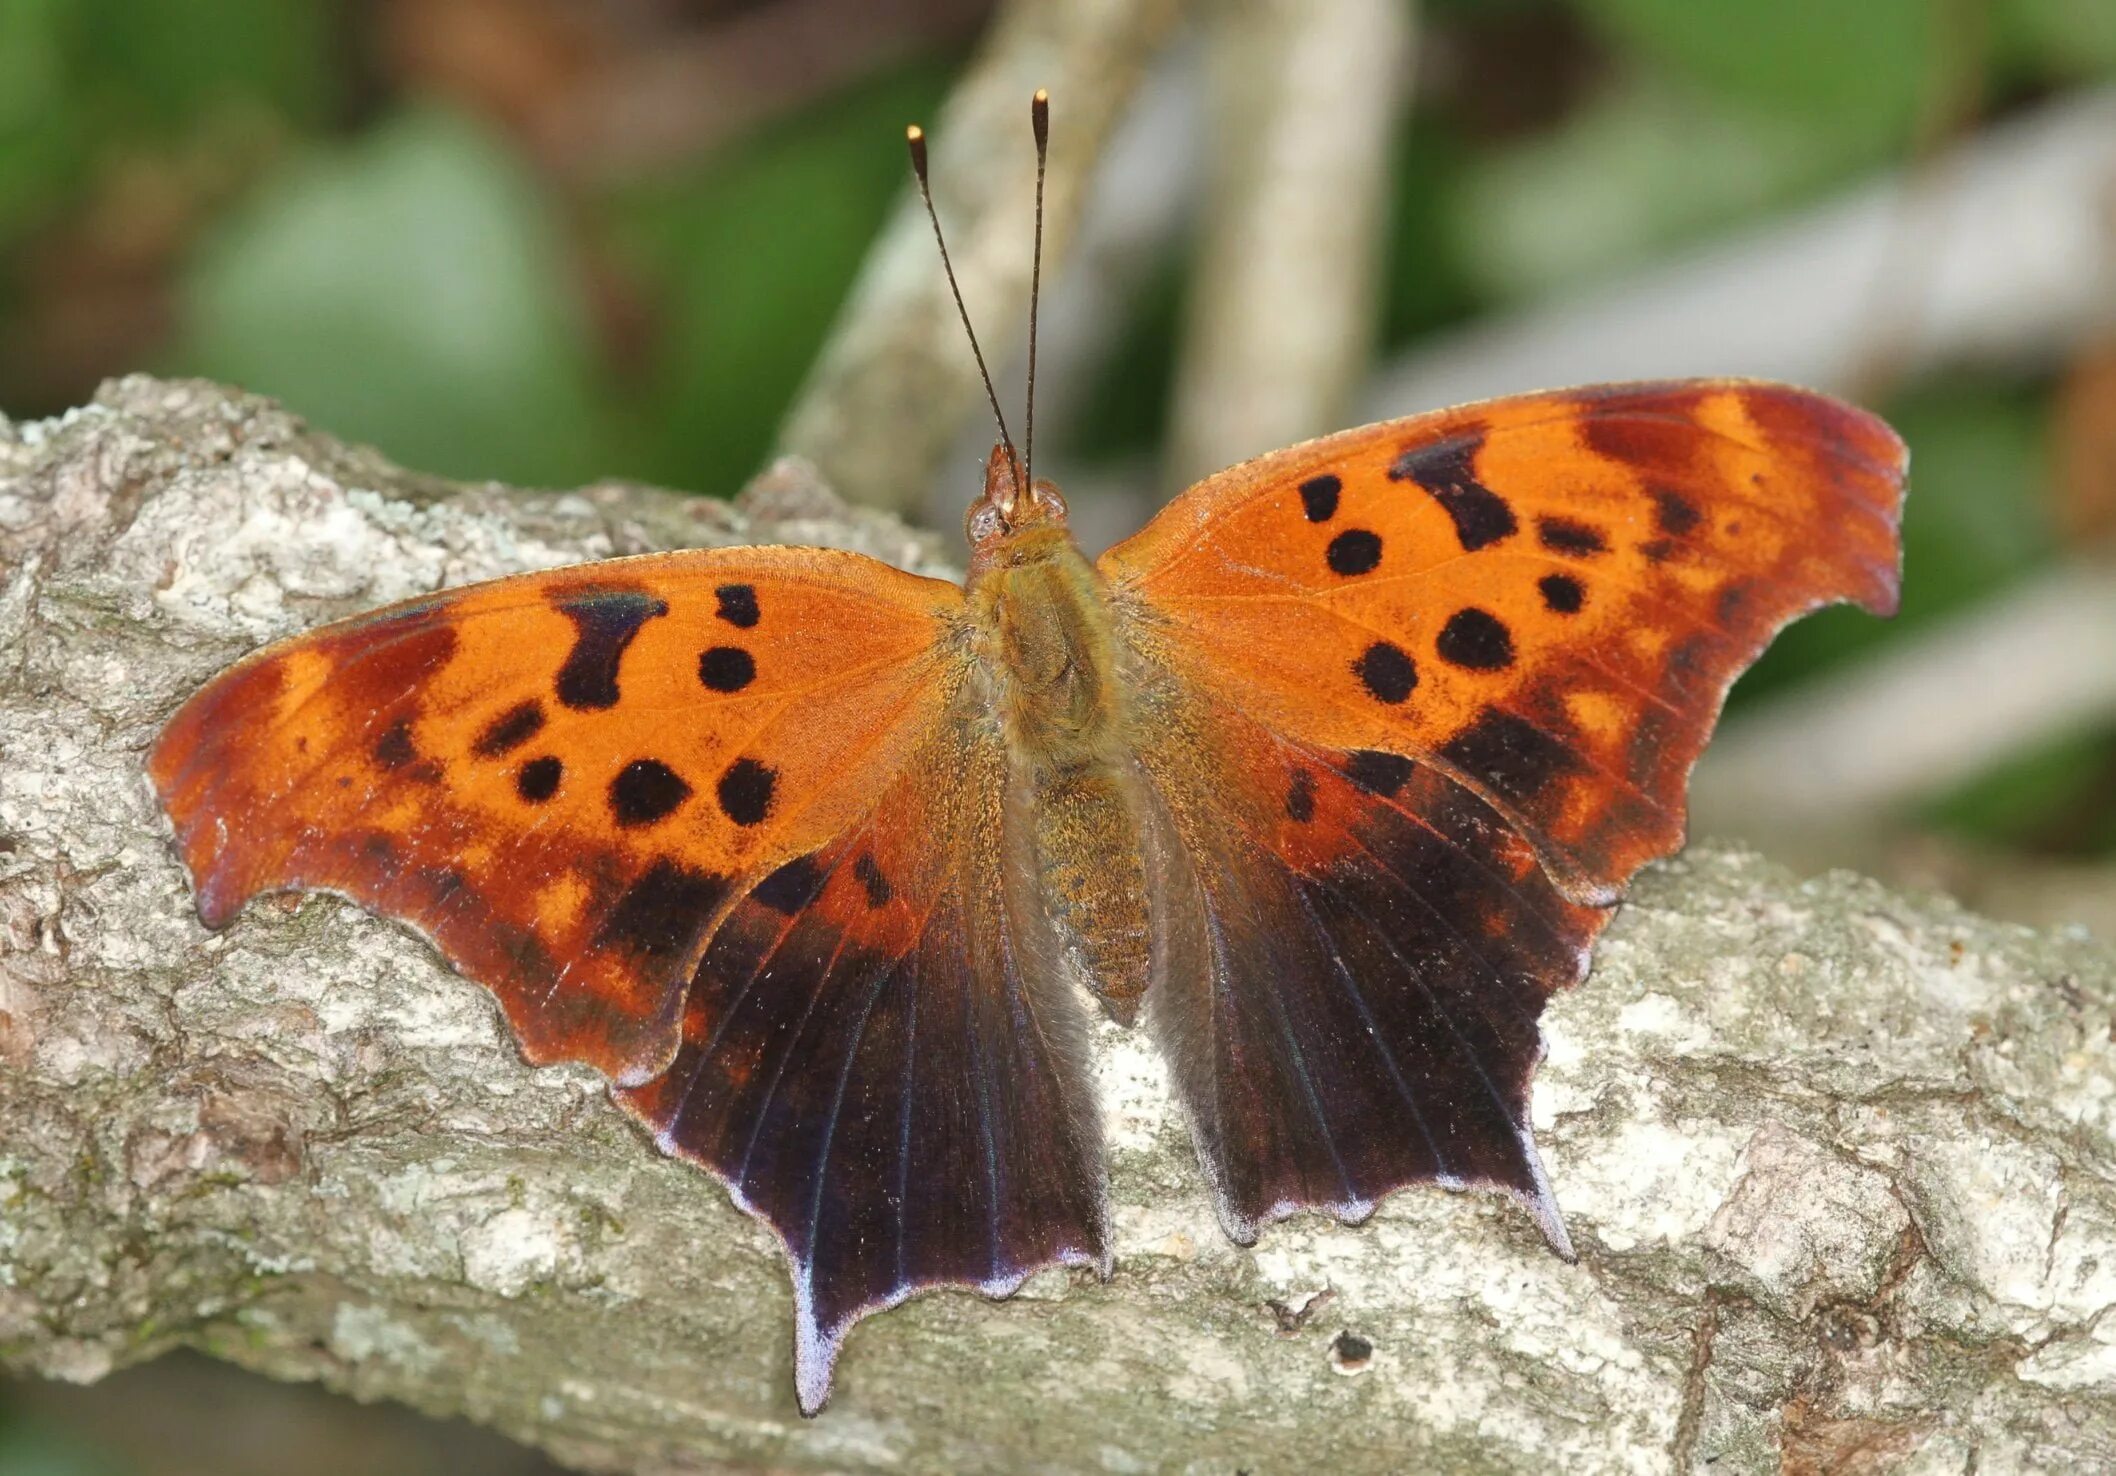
[
  {"x": 915, "y": 137},
  {"x": 1040, "y": 116}
]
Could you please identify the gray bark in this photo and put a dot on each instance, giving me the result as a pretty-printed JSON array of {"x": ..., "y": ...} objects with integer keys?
[{"x": 1839, "y": 1162}]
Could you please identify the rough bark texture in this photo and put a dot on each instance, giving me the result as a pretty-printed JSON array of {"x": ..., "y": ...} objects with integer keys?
[{"x": 1839, "y": 1162}]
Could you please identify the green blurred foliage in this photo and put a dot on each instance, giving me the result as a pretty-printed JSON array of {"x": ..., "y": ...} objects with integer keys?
[
  {"x": 1125, "y": 411},
  {"x": 29, "y": 1449},
  {"x": 84, "y": 80},
  {"x": 748, "y": 256},
  {"x": 1644, "y": 164},
  {"x": 415, "y": 288},
  {"x": 2054, "y": 798},
  {"x": 2055, "y": 41},
  {"x": 1709, "y": 113},
  {"x": 409, "y": 289},
  {"x": 1866, "y": 70}
]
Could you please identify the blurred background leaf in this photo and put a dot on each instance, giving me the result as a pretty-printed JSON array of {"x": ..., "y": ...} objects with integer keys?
[
  {"x": 410, "y": 289},
  {"x": 748, "y": 256},
  {"x": 1864, "y": 72}
]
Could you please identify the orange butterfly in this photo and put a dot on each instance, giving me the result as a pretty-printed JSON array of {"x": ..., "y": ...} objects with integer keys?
[{"x": 1332, "y": 773}]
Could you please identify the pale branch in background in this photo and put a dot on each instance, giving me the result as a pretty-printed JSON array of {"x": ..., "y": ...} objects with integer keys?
[
  {"x": 1303, "y": 102},
  {"x": 882, "y": 404},
  {"x": 2009, "y": 242},
  {"x": 1841, "y": 1166},
  {"x": 1937, "y": 709}
]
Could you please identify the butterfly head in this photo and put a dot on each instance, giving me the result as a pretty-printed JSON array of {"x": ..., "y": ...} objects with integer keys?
[
  {"x": 1005, "y": 520},
  {"x": 1016, "y": 519}
]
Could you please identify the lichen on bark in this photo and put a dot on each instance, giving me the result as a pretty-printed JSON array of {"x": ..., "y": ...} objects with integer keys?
[{"x": 1839, "y": 1162}]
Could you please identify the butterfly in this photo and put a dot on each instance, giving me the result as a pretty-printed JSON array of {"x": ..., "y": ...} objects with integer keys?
[{"x": 1328, "y": 779}]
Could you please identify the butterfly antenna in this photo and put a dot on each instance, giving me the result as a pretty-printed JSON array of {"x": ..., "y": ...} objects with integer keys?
[
  {"x": 1040, "y": 120},
  {"x": 915, "y": 136}
]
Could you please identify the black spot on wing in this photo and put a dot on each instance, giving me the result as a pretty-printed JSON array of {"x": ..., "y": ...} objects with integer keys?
[
  {"x": 745, "y": 791},
  {"x": 1447, "y": 470},
  {"x": 1513, "y": 757},
  {"x": 393, "y": 750},
  {"x": 1318, "y": 497},
  {"x": 1476, "y": 639},
  {"x": 510, "y": 730},
  {"x": 1377, "y": 772},
  {"x": 604, "y": 624},
  {"x": 1561, "y": 593},
  {"x": 1673, "y": 513},
  {"x": 537, "y": 780},
  {"x": 1566, "y": 536},
  {"x": 659, "y": 916},
  {"x": 870, "y": 877},
  {"x": 1354, "y": 551},
  {"x": 737, "y": 604},
  {"x": 645, "y": 791},
  {"x": 1386, "y": 670},
  {"x": 1300, "y": 797},
  {"x": 792, "y": 887},
  {"x": 726, "y": 668}
]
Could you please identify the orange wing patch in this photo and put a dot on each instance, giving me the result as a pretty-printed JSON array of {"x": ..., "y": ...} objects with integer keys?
[
  {"x": 1545, "y": 597},
  {"x": 563, "y": 779}
]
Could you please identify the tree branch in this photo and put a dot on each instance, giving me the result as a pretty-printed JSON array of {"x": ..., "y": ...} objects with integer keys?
[
  {"x": 882, "y": 404},
  {"x": 2007, "y": 240},
  {"x": 1282, "y": 310},
  {"x": 1839, "y": 1163}
]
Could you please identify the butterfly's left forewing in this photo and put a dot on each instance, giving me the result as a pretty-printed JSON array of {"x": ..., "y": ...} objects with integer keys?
[
  {"x": 562, "y": 778},
  {"x": 1418, "y": 699}
]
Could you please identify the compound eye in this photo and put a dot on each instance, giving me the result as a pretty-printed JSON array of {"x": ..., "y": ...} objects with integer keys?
[
  {"x": 983, "y": 522},
  {"x": 1049, "y": 499}
]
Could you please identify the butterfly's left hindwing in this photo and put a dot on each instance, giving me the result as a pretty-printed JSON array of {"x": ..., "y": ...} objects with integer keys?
[{"x": 1418, "y": 699}]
